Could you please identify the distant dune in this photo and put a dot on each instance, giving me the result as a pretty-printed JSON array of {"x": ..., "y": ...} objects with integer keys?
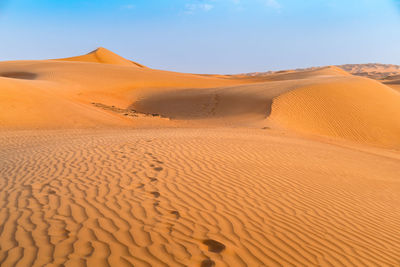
[
  {"x": 106, "y": 162},
  {"x": 382, "y": 72},
  {"x": 385, "y": 73},
  {"x": 373, "y": 70}
]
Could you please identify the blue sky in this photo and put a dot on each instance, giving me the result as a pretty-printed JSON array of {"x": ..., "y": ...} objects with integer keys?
[{"x": 206, "y": 36}]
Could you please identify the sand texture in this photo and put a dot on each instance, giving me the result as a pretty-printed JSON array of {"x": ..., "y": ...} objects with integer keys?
[{"x": 105, "y": 162}]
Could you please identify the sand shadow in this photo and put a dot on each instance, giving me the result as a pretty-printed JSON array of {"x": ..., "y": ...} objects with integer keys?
[
  {"x": 155, "y": 194},
  {"x": 19, "y": 75},
  {"x": 176, "y": 213},
  {"x": 207, "y": 263},
  {"x": 214, "y": 246}
]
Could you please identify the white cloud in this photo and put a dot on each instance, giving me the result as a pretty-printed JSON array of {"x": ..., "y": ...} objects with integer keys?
[
  {"x": 207, "y": 5},
  {"x": 130, "y": 6},
  {"x": 191, "y": 8},
  {"x": 273, "y": 4},
  {"x": 269, "y": 3}
]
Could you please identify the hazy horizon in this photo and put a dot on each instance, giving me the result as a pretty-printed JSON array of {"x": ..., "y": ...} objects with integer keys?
[{"x": 206, "y": 36}]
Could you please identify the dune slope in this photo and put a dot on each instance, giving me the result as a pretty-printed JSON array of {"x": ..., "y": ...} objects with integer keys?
[
  {"x": 59, "y": 94},
  {"x": 35, "y": 105},
  {"x": 247, "y": 102},
  {"x": 355, "y": 109}
]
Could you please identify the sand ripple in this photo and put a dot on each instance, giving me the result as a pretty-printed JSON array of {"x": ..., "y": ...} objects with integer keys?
[{"x": 194, "y": 198}]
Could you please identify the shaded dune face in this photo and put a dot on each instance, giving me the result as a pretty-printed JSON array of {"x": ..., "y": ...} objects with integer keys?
[
  {"x": 393, "y": 82},
  {"x": 205, "y": 104},
  {"x": 342, "y": 106},
  {"x": 19, "y": 75},
  {"x": 251, "y": 101}
]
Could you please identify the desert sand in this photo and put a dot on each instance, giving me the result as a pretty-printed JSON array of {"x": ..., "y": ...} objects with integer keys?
[{"x": 106, "y": 162}]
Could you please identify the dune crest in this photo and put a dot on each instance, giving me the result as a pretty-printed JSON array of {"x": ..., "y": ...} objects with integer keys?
[{"x": 105, "y": 56}]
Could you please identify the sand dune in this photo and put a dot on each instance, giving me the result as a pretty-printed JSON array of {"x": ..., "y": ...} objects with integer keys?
[
  {"x": 26, "y": 104},
  {"x": 355, "y": 109},
  {"x": 62, "y": 94},
  {"x": 381, "y": 72},
  {"x": 299, "y": 74},
  {"x": 105, "y": 162},
  {"x": 312, "y": 102},
  {"x": 237, "y": 104},
  {"x": 105, "y": 56},
  {"x": 373, "y": 70},
  {"x": 59, "y": 94},
  {"x": 394, "y": 80}
]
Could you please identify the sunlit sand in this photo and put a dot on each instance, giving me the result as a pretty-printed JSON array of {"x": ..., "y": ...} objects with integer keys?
[{"x": 104, "y": 161}]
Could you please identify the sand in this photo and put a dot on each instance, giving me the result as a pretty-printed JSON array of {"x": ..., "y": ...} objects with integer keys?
[
  {"x": 105, "y": 162},
  {"x": 383, "y": 72}
]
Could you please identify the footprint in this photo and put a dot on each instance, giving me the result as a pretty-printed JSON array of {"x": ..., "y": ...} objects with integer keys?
[
  {"x": 160, "y": 162},
  {"x": 214, "y": 246},
  {"x": 207, "y": 263},
  {"x": 156, "y": 203},
  {"x": 51, "y": 192},
  {"x": 153, "y": 179},
  {"x": 140, "y": 186},
  {"x": 155, "y": 194},
  {"x": 171, "y": 228},
  {"x": 176, "y": 213},
  {"x": 158, "y": 169}
]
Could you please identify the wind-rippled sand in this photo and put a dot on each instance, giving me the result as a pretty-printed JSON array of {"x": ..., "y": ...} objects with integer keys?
[{"x": 194, "y": 197}]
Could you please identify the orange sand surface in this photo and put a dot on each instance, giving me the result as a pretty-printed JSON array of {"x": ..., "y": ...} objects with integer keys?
[{"x": 106, "y": 162}]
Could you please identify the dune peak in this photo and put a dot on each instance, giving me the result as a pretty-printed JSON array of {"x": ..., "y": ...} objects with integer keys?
[{"x": 104, "y": 56}]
